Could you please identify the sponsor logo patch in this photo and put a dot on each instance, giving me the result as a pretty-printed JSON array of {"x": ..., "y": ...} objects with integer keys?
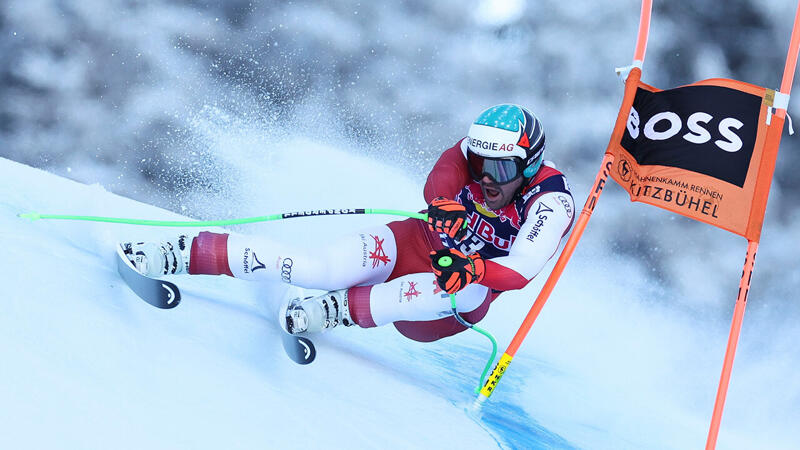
[
  {"x": 286, "y": 270},
  {"x": 378, "y": 255},
  {"x": 709, "y": 130},
  {"x": 541, "y": 217},
  {"x": 250, "y": 265},
  {"x": 541, "y": 208},
  {"x": 486, "y": 145},
  {"x": 567, "y": 206},
  {"x": 411, "y": 292}
]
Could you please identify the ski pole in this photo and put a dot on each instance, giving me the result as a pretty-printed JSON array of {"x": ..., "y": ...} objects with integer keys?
[
  {"x": 319, "y": 212},
  {"x": 446, "y": 261},
  {"x": 481, "y": 331},
  {"x": 219, "y": 223}
]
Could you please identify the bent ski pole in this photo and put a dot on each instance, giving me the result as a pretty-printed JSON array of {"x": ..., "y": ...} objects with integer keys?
[{"x": 446, "y": 261}]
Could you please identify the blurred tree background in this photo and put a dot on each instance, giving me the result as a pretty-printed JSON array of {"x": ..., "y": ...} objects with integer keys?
[{"x": 123, "y": 92}]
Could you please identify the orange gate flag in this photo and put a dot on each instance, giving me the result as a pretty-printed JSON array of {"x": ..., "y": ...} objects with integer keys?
[{"x": 698, "y": 150}]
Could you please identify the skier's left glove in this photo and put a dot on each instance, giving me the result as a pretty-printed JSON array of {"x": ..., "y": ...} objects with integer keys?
[{"x": 455, "y": 270}]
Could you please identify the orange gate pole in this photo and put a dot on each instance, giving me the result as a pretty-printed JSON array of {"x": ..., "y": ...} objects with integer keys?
[
  {"x": 630, "y": 91},
  {"x": 733, "y": 339},
  {"x": 772, "y": 143}
]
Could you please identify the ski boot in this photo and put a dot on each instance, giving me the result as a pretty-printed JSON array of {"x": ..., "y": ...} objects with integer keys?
[
  {"x": 154, "y": 259},
  {"x": 315, "y": 314}
]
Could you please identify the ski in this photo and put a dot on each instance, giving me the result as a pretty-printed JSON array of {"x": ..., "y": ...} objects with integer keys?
[
  {"x": 166, "y": 295},
  {"x": 299, "y": 349},
  {"x": 159, "y": 293}
]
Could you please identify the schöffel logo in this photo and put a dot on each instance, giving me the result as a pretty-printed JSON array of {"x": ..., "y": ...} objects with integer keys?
[
  {"x": 542, "y": 208},
  {"x": 705, "y": 129},
  {"x": 257, "y": 265},
  {"x": 250, "y": 267},
  {"x": 541, "y": 218}
]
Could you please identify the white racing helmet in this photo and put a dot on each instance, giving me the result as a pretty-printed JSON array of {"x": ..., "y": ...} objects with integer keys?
[{"x": 505, "y": 142}]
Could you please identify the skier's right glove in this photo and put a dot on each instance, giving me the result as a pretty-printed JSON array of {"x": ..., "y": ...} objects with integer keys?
[
  {"x": 448, "y": 217},
  {"x": 455, "y": 270}
]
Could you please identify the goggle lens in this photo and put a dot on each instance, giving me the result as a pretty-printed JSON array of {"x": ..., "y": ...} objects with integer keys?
[{"x": 501, "y": 171}]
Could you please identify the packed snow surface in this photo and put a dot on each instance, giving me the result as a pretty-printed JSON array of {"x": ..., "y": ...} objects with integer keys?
[{"x": 86, "y": 364}]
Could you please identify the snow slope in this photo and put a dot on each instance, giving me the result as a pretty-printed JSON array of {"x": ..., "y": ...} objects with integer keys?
[
  {"x": 88, "y": 365},
  {"x": 85, "y": 364}
]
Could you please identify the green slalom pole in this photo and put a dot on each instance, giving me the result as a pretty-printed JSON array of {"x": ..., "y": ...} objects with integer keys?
[{"x": 444, "y": 261}]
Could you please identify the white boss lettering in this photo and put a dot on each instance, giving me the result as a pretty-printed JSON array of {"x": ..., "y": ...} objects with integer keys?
[
  {"x": 633, "y": 123},
  {"x": 697, "y": 124},
  {"x": 674, "y": 126},
  {"x": 733, "y": 143},
  {"x": 697, "y": 134}
]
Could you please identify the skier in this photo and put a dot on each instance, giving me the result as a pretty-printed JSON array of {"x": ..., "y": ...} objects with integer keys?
[{"x": 496, "y": 214}]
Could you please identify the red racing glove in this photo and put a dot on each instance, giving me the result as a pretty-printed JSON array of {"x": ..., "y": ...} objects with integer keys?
[
  {"x": 455, "y": 270},
  {"x": 448, "y": 217}
]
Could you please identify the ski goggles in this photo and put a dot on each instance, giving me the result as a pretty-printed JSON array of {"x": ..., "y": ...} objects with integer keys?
[{"x": 499, "y": 170}]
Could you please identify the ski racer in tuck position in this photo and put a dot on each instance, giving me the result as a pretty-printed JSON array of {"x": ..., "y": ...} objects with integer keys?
[{"x": 495, "y": 208}]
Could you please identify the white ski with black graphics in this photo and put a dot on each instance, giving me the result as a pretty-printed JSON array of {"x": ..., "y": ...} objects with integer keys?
[
  {"x": 159, "y": 293},
  {"x": 166, "y": 295}
]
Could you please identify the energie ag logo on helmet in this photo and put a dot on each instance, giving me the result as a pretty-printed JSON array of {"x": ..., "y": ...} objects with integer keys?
[{"x": 505, "y": 131}]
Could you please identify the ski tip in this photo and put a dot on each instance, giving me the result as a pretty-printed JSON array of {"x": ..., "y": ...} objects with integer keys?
[
  {"x": 309, "y": 351},
  {"x": 159, "y": 293},
  {"x": 171, "y": 295},
  {"x": 301, "y": 350}
]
